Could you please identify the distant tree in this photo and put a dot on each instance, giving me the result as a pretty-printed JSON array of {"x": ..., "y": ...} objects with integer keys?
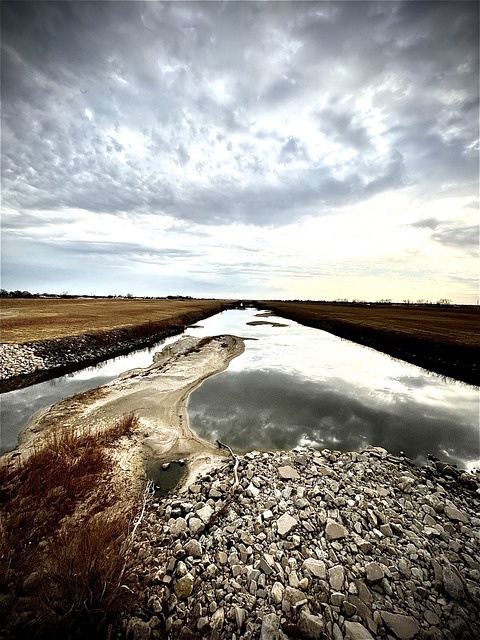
[{"x": 444, "y": 301}]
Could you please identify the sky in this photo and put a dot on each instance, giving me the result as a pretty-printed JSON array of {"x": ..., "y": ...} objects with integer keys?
[{"x": 294, "y": 150}]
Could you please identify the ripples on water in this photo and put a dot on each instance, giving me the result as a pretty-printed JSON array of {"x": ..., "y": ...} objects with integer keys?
[{"x": 296, "y": 385}]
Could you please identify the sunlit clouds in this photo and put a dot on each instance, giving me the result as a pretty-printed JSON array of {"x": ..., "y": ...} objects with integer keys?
[{"x": 284, "y": 149}]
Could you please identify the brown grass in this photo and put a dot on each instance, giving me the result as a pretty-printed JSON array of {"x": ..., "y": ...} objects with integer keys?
[
  {"x": 448, "y": 325},
  {"x": 61, "y": 525},
  {"x": 33, "y": 319}
]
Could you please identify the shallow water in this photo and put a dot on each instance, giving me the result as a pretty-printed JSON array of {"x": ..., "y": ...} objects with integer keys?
[
  {"x": 300, "y": 386},
  {"x": 17, "y": 407},
  {"x": 293, "y": 386}
]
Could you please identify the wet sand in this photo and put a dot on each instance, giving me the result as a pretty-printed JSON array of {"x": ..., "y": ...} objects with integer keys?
[{"x": 158, "y": 397}]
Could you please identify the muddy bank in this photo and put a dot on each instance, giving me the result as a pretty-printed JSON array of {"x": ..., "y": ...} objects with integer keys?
[
  {"x": 22, "y": 365},
  {"x": 460, "y": 362}
]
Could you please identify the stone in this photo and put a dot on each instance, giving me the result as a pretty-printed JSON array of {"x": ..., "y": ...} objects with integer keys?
[
  {"x": 315, "y": 567},
  {"x": 196, "y": 525},
  {"x": 252, "y": 490},
  {"x": 452, "y": 583},
  {"x": 183, "y": 587},
  {"x": 455, "y": 514},
  {"x": 336, "y": 577},
  {"x": 335, "y": 531},
  {"x": 356, "y": 631},
  {"x": 309, "y": 625},
  {"x": 404, "y": 627},
  {"x": 270, "y": 626},
  {"x": 292, "y": 598},
  {"x": 218, "y": 619},
  {"x": 205, "y": 514},
  {"x": 276, "y": 594},
  {"x": 240, "y": 616},
  {"x": 285, "y": 524},
  {"x": 193, "y": 548},
  {"x": 137, "y": 629},
  {"x": 288, "y": 473},
  {"x": 374, "y": 572},
  {"x": 178, "y": 527}
]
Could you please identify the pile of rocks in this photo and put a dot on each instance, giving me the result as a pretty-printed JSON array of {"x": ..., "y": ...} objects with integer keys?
[
  {"x": 18, "y": 360},
  {"x": 312, "y": 545}
]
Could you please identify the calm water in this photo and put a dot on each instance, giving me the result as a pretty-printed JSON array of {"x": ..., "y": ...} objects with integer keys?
[
  {"x": 295, "y": 385},
  {"x": 17, "y": 407},
  {"x": 300, "y": 386}
]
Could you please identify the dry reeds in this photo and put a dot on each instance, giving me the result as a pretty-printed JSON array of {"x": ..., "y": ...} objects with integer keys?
[{"x": 63, "y": 540}]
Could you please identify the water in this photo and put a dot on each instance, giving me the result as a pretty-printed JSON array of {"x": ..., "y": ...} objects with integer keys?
[
  {"x": 17, "y": 407},
  {"x": 301, "y": 386},
  {"x": 294, "y": 386}
]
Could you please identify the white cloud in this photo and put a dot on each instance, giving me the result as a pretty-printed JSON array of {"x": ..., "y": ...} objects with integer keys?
[{"x": 235, "y": 147}]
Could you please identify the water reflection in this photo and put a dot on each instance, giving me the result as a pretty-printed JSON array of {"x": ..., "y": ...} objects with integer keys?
[
  {"x": 298, "y": 385},
  {"x": 268, "y": 409},
  {"x": 17, "y": 407}
]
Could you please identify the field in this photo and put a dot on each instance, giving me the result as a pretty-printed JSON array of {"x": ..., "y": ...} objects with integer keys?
[
  {"x": 442, "y": 339},
  {"x": 32, "y": 319}
]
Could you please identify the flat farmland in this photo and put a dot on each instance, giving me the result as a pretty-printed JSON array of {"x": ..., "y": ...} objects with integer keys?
[
  {"x": 26, "y": 320},
  {"x": 445, "y": 340}
]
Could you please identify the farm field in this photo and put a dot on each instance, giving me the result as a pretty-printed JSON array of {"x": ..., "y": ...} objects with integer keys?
[
  {"x": 449, "y": 325},
  {"x": 28, "y": 320}
]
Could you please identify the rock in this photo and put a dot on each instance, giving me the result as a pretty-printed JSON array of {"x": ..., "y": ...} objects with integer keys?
[
  {"x": 196, "y": 525},
  {"x": 276, "y": 594},
  {"x": 205, "y": 514},
  {"x": 455, "y": 514},
  {"x": 335, "y": 531},
  {"x": 32, "y": 582},
  {"x": 315, "y": 567},
  {"x": 183, "y": 587},
  {"x": 270, "y": 626},
  {"x": 374, "y": 572},
  {"x": 292, "y": 598},
  {"x": 137, "y": 629},
  {"x": 452, "y": 583},
  {"x": 178, "y": 527},
  {"x": 218, "y": 619},
  {"x": 356, "y": 631},
  {"x": 336, "y": 577},
  {"x": 404, "y": 627},
  {"x": 240, "y": 616},
  {"x": 285, "y": 524},
  {"x": 193, "y": 548},
  {"x": 288, "y": 473},
  {"x": 310, "y": 626}
]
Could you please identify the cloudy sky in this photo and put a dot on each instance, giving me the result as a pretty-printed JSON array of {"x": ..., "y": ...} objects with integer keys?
[{"x": 316, "y": 150}]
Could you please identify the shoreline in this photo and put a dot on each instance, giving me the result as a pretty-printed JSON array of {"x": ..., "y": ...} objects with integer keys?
[
  {"x": 304, "y": 544},
  {"x": 311, "y": 544},
  {"x": 24, "y": 364}
]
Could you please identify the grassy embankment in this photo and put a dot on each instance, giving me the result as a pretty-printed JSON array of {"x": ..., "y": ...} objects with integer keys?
[
  {"x": 27, "y": 320},
  {"x": 445, "y": 340},
  {"x": 65, "y": 535},
  {"x": 93, "y": 330}
]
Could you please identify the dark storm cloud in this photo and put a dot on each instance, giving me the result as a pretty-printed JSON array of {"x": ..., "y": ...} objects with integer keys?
[{"x": 158, "y": 108}]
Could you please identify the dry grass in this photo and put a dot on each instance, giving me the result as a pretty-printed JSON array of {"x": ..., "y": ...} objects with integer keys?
[
  {"x": 63, "y": 538},
  {"x": 33, "y": 319},
  {"x": 448, "y": 325}
]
